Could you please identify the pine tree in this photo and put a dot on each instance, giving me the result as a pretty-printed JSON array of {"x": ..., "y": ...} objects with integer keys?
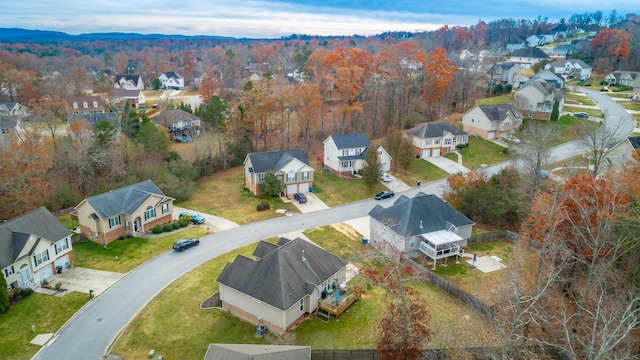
[
  {"x": 371, "y": 170},
  {"x": 4, "y": 295}
]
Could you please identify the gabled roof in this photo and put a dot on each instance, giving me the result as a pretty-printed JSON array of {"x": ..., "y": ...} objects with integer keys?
[
  {"x": 284, "y": 275},
  {"x": 125, "y": 200},
  {"x": 124, "y": 93},
  {"x": 436, "y": 129},
  {"x": 8, "y": 121},
  {"x": 169, "y": 117},
  {"x": 257, "y": 352},
  {"x": 530, "y": 52},
  {"x": 6, "y": 107},
  {"x": 132, "y": 78},
  {"x": 541, "y": 85},
  {"x": 274, "y": 161},
  {"x": 172, "y": 74},
  {"x": 419, "y": 215},
  {"x": 502, "y": 65},
  {"x": 14, "y": 233},
  {"x": 619, "y": 74},
  {"x": 95, "y": 119},
  {"x": 350, "y": 141},
  {"x": 499, "y": 112},
  {"x": 80, "y": 100},
  {"x": 567, "y": 47}
]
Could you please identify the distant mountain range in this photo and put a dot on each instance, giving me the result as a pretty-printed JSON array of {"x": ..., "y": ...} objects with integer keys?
[{"x": 24, "y": 35}]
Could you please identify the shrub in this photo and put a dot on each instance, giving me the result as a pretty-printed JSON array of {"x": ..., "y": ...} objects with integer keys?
[
  {"x": 263, "y": 205},
  {"x": 157, "y": 229},
  {"x": 183, "y": 223},
  {"x": 167, "y": 228},
  {"x": 462, "y": 146},
  {"x": 176, "y": 226},
  {"x": 58, "y": 286},
  {"x": 26, "y": 292}
]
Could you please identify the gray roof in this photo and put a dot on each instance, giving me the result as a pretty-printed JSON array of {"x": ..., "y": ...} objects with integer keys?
[
  {"x": 635, "y": 142},
  {"x": 8, "y": 121},
  {"x": 568, "y": 47},
  {"x": 436, "y": 129},
  {"x": 95, "y": 119},
  {"x": 169, "y": 117},
  {"x": 125, "y": 200},
  {"x": 14, "y": 233},
  {"x": 350, "y": 141},
  {"x": 503, "y": 65},
  {"x": 541, "y": 84},
  {"x": 6, "y": 107},
  {"x": 498, "y": 112},
  {"x": 530, "y": 52},
  {"x": 257, "y": 352},
  {"x": 134, "y": 78},
  {"x": 273, "y": 161},
  {"x": 284, "y": 275},
  {"x": 172, "y": 74},
  {"x": 418, "y": 215}
]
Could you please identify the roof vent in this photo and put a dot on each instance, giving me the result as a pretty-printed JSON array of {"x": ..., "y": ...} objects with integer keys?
[
  {"x": 303, "y": 258},
  {"x": 420, "y": 224}
]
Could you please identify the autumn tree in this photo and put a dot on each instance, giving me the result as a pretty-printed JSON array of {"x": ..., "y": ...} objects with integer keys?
[
  {"x": 400, "y": 149},
  {"x": 597, "y": 143},
  {"x": 308, "y": 101},
  {"x": 215, "y": 115},
  {"x": 403, "y": 332},
  {"x": 439, "y": 72}
]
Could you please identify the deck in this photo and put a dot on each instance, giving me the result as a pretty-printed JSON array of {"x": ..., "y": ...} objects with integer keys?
[{"x": 335, "y": 308}]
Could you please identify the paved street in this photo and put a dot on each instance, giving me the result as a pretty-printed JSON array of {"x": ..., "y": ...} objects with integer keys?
[{"x": 88, "y": 334}]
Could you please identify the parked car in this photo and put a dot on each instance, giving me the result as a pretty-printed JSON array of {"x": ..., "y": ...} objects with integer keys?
[
  {"x": 195, "y": 217},
  {"x": 300, "y": 197},
  {"x": 384, "y": 195},
  {"x": 581, "y": 114},
  {"x": 386, "y": 177},
  {"x": 184, "y": 244}
]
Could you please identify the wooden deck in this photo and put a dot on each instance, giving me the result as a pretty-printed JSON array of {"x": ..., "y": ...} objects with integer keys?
[{"x": 330, "y": 306}]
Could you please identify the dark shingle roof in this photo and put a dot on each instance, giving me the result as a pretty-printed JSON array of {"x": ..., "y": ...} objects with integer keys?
[
  {"x": 421, "y": 214},
  {"x": 635, "y": 142},
  {"x": 530, "y": 52},
  {"x": 350, "y": 141},
  {"x": 169, "y": 117},
  {"x": 95, "y": 119},
  {"x": 14, "y": 233},
  {"x": 172, "y": 74},
  {"x": 8, "y": 121},
  {"x": 275, "y": 160},
  {"x": 503, "y": 65},
  {"x": 498, "y": 112},
  {"x": 125, "y": 200},
  {"x": 257, "y": 352},
  {"x": 133, "y": 78},
  {"x": 283, "y": 276},
  {"x": 436, "y": 129}
]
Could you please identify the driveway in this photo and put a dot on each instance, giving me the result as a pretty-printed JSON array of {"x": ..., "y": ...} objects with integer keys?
[
  {"x": 313, "y": 204},
  {"x": 212, "y": 222},
  {"x": 395, "y": 184},
  {"x": 447, "y": 165},
  {"x": 83, "y": 279}
]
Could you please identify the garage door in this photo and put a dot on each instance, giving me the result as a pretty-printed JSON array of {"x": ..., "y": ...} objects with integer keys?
[
  {"x": 46, "y": 272},
  {"x": 303, "y": 188},
  {"x": 291, "y": 189},
  {"x": 63, "y": 261},
  {"x": 435, "y": 152},
  {"x": 492, "y": 135}
]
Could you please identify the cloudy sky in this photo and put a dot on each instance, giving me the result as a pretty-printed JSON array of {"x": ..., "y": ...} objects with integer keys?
[{"x": 272, "y": 19}]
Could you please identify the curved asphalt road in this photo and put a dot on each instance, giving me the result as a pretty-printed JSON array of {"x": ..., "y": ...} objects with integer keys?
[{"x": 88, "y": 334}]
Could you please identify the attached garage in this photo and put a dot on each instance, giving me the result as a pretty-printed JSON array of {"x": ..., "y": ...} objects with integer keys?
[
  {"x": 491, "y": 135},
  {"x": 63, "y": 261},
  {"x": 46, "y": 272},
  {"x": 292, "y": 189},
  {"x": 303, "y": 188},
  {"x": 435, "y": 152}
]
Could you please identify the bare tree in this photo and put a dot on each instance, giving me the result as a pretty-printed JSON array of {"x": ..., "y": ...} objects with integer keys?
[
  {"x": 534, "y": 153},
  {"x": 597, "y": 144}
]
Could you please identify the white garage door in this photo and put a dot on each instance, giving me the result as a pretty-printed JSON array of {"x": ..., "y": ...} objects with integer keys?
[
  {"x": 63, "y": 261},
  {"x": 46, "y": 272},
  {"x": 492, "y": 135},
  {"x": 291, "y": 189},
  {"x": 303, "y": 188},
  {"x": 436, "y": 152}
]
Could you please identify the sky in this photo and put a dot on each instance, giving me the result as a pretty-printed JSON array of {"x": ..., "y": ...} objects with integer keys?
[{"x": 273, "y": 19}]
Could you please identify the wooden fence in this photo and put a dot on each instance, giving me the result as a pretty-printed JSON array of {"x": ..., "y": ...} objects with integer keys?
[{"x": 479, "y": 353}]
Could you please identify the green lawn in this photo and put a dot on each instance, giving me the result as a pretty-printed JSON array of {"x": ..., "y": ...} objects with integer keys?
[
  {"x": 48, "y": 313},
  {"x": 192, "y": 329},
  {"x": 334, "y": 190},
  {"x": 630, "y": 105},
  {"x": 480, "y": 152},
  {"x": 583, "y": 99},
  {"x": 422, "y": 170},
  {"x": 566, "y": 128},
  {"x": 502, "y": 99},
  {"x": 574, "y": 109},
  {"x": 124, "y": 255}
]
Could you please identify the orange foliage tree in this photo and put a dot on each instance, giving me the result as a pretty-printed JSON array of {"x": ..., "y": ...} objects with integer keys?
[{"x": 439, "y": 73}]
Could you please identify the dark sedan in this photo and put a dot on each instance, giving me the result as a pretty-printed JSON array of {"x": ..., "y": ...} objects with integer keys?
[
  {"x": 300, "y": 197},
  {"x": 184, "y": 244},
  {"x": 384, "y": 195}
]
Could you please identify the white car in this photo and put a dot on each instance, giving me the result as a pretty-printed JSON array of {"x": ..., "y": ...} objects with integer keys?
[{"x": 386, "y": 177}]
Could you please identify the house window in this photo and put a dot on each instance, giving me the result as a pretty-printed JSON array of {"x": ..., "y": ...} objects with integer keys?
[
  {"x": 75, "y": 105},
  {"x": 412, "y": 243},
  {"x": 345, "y": 152},
  {"x": 114, "y": 221},
  {"x": 358, "y": 151},
  {"x": 5, "y": 131},
  {"x": 473, "y": 120},
  {"x": 428, "y": 141},
  {"x": 41, "y": 257},
  {"x": 95, "y": 104},
  {"x": 61, "y": 245},
  {"x": 344, "y": 164},
  {"x": 437, "y": 141},
  {"x": 305, "y": 175},
  {"x": 150, "y": 213},
  {"x": 301, "y": 305},
  {"x": 291, "y": 176},
  {"x": 8, "y": 271},
  {"x": 447, "y": 141},
  {"x": 85, "y": 105},
  {"x": 165, "y": 208},
  {"x": 260, "y": 178}
]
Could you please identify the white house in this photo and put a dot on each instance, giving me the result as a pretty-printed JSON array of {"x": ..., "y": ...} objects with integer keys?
[
  {"x": 171, "y": 80},
  {"x": 128, "y": 82},
  {"x": 526, "y": 57},
  {"x": 436, "y": 138},
  {"x": 570, "y": 68},
  {"x": 346, "y": 153},
  {"x": 491, "y": 121}
]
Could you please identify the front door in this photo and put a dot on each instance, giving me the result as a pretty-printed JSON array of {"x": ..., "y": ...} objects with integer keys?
[
  {"x": 137, "y": 225},
  {"x": 25, "y": 276}
]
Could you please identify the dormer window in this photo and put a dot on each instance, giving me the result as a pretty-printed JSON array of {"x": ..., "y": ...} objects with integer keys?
[
  {"x": 75, "y": 105},
  {"x": 85, "y": 105},
  {"x": 95, "y": 104}
]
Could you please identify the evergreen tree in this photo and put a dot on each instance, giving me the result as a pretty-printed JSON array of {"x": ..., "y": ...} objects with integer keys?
[
  {"x": 4, "y": 295},
  {"x": 271, "y": 186},
  {"x": 371, "y": 170},
  {"x": 555, "y": 112},
  {"x": 129, "y": 121}
]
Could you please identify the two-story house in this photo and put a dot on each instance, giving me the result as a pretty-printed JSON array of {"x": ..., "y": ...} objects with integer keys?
[
  {"x": 178, "y": 124},
  {"x": 526, "y": 57},
  {"x": 290, "y": 166},
  {"x": 491, "y": 121},
  {"x": 505, "y": 73},
  {"x": 536, "y": 98},
  {"x": 570, "y": 68},
  {"x": 171, "y": 80},
  {"x": 128, "y": 82},
  {"x": 436, "y": 138},
  {"x": 127, "y": 211},
  {"x": 84, "y": 105},
  {"x": 346, "y": 153},
  {"x": 624, "y": 77},
  {"x": 136, "y": 98},
  {"x": 33, "y": 247}
]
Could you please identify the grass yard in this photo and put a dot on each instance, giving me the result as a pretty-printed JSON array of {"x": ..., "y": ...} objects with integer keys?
[
  {"x": 222, "y": 194},
  {"x": 192, "y": 329},
  {"x": 630, "y": 105},
  {"x": 420, "y": 170},
  {"x": 502, "y": 99},
  {"x": 130, "y": 252},
  {"x": 334, "y": 190},
  {"x": 480, "y": 152},
  {"x": 582, "y": 99},
  {"x": 48, "y": 313}
]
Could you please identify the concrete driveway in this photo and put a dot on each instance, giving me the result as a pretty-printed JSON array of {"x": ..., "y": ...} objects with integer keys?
[
  {"x": 83, "y": 279},
  {"x": 395, "y": 184},
  {"x": 215, "y": 223},
  {"x": 447, "y": 165},
  {"x": 313, "y": 204}
]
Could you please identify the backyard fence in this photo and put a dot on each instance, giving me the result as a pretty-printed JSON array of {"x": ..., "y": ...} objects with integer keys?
[{"x": 478, "y": 353}]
